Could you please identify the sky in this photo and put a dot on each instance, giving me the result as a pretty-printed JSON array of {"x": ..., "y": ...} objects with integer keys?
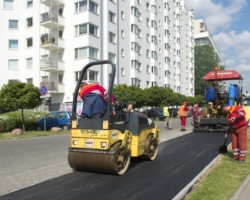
[{"x": 228, "y": 22}]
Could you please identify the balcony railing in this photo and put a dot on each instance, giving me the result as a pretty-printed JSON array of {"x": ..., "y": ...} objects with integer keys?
[
  {"x": 50, "y": 64},
  {"x": 53, "y": 3},
  {"x": 51, "y": 43},
  {"x": 50, "y": 20}
]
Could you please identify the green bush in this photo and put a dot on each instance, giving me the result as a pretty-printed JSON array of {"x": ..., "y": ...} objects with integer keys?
[{"x": 12, "y": 120}]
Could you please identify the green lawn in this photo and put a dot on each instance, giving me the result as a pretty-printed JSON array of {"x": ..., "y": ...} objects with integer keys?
[
  {"x": 33, "y": 134},
  {"x": 223, "y": 180}
]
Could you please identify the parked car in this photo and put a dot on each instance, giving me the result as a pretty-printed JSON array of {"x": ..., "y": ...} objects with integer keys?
[
  {"x": 60, "y": 119},
  {"x": 154, "y": 113}
]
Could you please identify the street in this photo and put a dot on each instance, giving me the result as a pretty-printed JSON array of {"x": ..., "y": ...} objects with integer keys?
[{"x": 179, "y": 160}]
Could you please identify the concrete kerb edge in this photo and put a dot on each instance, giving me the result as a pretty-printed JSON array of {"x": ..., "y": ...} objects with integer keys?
[
  {"x": 187, "y": 188},
  {"x": 241, "y": 188}
]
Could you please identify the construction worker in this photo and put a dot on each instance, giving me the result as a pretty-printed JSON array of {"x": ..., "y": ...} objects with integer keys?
[
  {"x": 183, "y": 115},
  {"x": 167, "y": 115},
  {"x": 237, "y": 122},
  {"x": 195, "y": 113},
  {"x": 94, "y": 98},
  {"x": 92, "y": 88}
]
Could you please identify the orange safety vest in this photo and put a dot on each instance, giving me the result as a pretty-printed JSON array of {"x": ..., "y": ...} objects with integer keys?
[{"x": 182, "y": 112}]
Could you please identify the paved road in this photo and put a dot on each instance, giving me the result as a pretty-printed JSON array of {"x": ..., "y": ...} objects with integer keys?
[{"x": 43, "y": 159}]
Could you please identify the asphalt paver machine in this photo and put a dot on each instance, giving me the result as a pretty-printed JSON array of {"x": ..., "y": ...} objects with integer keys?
[
  {"x": 213, "y": 118},
  {"x": 106, "y": 143}
]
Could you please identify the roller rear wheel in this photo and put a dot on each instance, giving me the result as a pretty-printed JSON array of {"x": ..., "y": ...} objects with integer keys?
[
  {"x": 151, "y": 148},
  {"x": 120, "y": 160}
]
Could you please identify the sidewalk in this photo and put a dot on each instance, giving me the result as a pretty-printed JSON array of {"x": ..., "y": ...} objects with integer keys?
[{"x": 243, "y": 192}]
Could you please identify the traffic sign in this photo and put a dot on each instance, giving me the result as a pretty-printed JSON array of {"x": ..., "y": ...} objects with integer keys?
[{"x": 43, "y": 90}]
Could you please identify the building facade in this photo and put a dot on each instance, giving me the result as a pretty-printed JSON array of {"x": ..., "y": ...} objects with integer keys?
[
  {"x": 203, "y": 37},
  {"x": 48, "y": 42}
]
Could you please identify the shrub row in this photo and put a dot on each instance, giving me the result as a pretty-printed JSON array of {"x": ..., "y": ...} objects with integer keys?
[
  {"x": 9, "y": 124},
  {"x": 12, "y": 120}
]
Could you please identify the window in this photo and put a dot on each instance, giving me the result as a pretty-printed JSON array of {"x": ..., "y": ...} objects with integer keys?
[
  {"x": 154, "y": 9},
  {"x": 135, "y": 12},
  {"x": 86, "y": 5},
  {"x": 148, "y": 22},
  {"x": 29, "y": 3},
  {"x": 135, "y": 47},
  {"x": 112, "y": 58},
  {"x": 122, "y": 15},
  {"x": 122, "y": 34},
  {"x": 148, "y": 37},
  {"x": 154, "y": 39},
  {"x": 86, "y": 28},
  {"x": 154, "y": 55},
  {"x": 136, "y": 82},
  {"x": 93, "y": 29},
  {"x": 93, "y": 7},
  {"x": 8, "y": 4},
  {"x": 60, "y": 78},
  {"x": 112, "y": 17},
  {"x": 13, "y": 24},
  {"x": 86, "y": 52},
  {"x": 154, "y": 70},
  {"x": 122, "y": 72},
  {"x": 13, "y": 64},
  {"x": 148, "y": 69},
  {"x": 13, "y": 44},
  {"x": 93, "y": 75},
  {"x": 122, "y": 52},
  {"x": 60, "y": 34},
  {"x": 93, "y": 52},
  {"x": 147, "y": 5},
  {"x": 77, "y": 75},
  {"x": 29, "y": 22},
  {"x": 80, "y": 6},
  {"x": 29, "y": 42},
  {"x": 135, "y": 29},
  {"x": 29, "y": 62},
  {"x": 147, "y": 53},
  {"x": 112, "y": 38},
  {"x": 80, "y": 29},
  {"x": 135, "y": 64},
  {"x": 154, "y": 24},
  {"x": 29, "y": 81},
  {"x": 45, "y": 79}
]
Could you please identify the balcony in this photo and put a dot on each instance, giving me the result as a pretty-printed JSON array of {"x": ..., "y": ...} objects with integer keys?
[
  {"x": 51, "y": 65},
  {"x": 52, "y": 21},
  {"x": 53, "y": 3},
  {"x": 54, "y": 87},
  {"x": 51, "y": 42}
]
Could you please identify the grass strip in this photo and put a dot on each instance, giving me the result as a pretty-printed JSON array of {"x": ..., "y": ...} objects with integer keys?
[
  {"x": 223, "y": 180},
  {"x": 28, "y": 134}
]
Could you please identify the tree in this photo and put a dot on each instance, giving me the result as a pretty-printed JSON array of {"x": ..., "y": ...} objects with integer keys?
[
  {"x": 129, "y": 94},
  {"x": 156, "y": 96},
  {"x": 18, "y": 95},
  {"x": 205, "y": 60}
]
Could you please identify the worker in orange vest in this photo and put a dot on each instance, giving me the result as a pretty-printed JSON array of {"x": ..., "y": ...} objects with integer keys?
[
  {"x": 183, "y": 115},
  {"x": 238, "y": 126}
]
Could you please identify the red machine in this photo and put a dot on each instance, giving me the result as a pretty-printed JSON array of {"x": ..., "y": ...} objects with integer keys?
[{"x": 216, "y": 96}]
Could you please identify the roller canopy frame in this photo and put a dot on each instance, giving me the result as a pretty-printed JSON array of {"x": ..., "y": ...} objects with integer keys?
[{"x": 222, "y": 75}]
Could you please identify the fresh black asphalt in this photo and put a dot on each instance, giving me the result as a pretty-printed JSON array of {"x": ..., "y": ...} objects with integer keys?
[{"x": 179, "y": 161}]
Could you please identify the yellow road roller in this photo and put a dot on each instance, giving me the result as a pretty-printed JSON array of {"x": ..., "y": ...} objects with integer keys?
[{"x": 105, "y": 142}]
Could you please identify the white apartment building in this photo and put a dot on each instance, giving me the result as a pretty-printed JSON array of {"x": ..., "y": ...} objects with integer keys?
[
  {"x": 202, "y": 36},
  {"x": 47, "y": 43}
]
